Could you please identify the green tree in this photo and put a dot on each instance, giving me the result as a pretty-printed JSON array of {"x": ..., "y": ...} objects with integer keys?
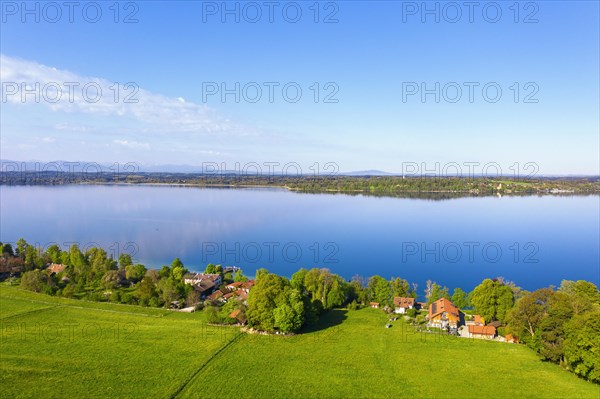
[
  {"x": 380, "y": 290},
  {"x": 492, "y": 300},
  {"x": 124, "y": 261},
  {"x": 210, "y": 269},
  {"x": 35, "y": 280},
  {"x": 135, "y": 273},
  {"x": 111, "y": 280},
  {"x": 582, "y": 345},
  {"x": 460, "y": 298},
  {"x": 54, "y": 253},
  {"x": 262, "y": 300},
  {"x": 239, "y": 276},
  {"x": 289, "y": 313}
]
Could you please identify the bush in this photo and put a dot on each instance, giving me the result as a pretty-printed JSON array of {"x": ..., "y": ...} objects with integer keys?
[{"x": 411, "y": 313}]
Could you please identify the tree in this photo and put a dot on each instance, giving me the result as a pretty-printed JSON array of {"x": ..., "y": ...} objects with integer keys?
[
  {"x": 210, "y": 269},
  {"x": 298, "y": 278},
  {"x": 492, "y": 300},
  {"x": 135, "y": 273},
  {"x": 289, "y": 313},
  {"x": 459, "y": 298},
  {"x": 380, "y": 290},
  {"x": 178, "y": 270},
  {"x": 262, "y": 300},
  {"x": 53, "y": 252},
  {"x": 145, "y": 290},
  {"x": 7, "y": 250},
  {"x": 582, "y": 346},
  {"x": 35, "y": 280},
  {"x": 124, "y": 261},
  {"x": 583, "y": 295},
  {"x": 401, "y": 287},
  {"x": 21, "y": 246},
  {"x": 525, "y": 317},
  {"x": 239, "y": 276},
  {"x": 111, "y": 279}
]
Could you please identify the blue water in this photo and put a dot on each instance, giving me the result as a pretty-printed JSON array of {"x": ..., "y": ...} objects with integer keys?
[{"x": 535, "y": 241}]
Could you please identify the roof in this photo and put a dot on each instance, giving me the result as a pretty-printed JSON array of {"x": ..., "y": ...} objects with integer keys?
[
  {"x": 235, "y": 313},
  {"x": 56, "y": 268},
  {"x": 215, "y": 295},
  {"x": 227, "y": 296},
  {"x": 248, "y": 284},
  {"x": 482, "y": 330},
  {"x": 442, "y": 305},
  {"x": 478, "y": 319},
  {"x": 403, "y": 302},
  {"x": 374, "y": 303},
  {"x": 204, "y": 285},
  {"x": 201, "y": 276},
  {"x": 234, "y": 285}
]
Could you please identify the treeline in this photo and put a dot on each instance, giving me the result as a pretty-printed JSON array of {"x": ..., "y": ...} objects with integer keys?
[
  {"x": 374, "y": 185},
  {"x": 94, "y": 275}
]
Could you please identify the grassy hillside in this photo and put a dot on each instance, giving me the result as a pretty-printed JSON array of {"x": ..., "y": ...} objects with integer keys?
[{"x": 53, "y": 347}]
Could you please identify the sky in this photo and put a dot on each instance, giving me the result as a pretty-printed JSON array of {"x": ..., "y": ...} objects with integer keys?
[{"x": 379, "y": 85}]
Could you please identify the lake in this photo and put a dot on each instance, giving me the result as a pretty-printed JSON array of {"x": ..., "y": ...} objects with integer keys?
[{"x": 534, "y": 241}]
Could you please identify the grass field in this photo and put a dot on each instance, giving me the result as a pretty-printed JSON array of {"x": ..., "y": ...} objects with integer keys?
[{"x": 54, "y": 347}]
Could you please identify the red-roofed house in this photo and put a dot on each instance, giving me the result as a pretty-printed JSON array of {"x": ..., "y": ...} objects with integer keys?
[
  {"x": 442, "y": 314},
  {"x": 233, "y": 286},
  {"x": 56, "y": 268},
  {"x": 239, "y": 316},
  {"x": 215, "y": 295},
  {"x": 482, "y": 332},
  {"x": 402, "y": 304},
  {"x": 374, "y": 305}
]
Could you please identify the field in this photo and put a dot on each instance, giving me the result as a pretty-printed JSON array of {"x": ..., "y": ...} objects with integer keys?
[{"x": 54, "y": 347}]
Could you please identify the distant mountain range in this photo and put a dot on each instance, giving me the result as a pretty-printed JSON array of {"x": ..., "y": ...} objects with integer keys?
[{"x": 134, "y": 167}]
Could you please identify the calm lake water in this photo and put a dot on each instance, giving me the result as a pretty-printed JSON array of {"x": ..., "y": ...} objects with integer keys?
[{"x": 534, "y": 241}]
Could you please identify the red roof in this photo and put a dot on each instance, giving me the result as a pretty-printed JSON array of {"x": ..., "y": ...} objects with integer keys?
[
  {"x": 403, "y": 302},
  {"x": 482, "y": 330},
  {"x": 440, "y": 306},
  {"x": 56, "y": 268},
  {"x": 215, "y": 295}
]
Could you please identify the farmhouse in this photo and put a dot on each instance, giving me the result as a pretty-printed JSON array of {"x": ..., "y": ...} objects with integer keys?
[
  {"x": 374, "y": 305},
  {"x": 197, "y": 278},
  {"x": 482, "y": 332},
  {"x": 443, "y": 314},
  {"x": 402, "y": 304},
  {"x": 56, "y": 268}
]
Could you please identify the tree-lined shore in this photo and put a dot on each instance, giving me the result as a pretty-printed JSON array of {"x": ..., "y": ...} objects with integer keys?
[{"x": 392, "y": 186}]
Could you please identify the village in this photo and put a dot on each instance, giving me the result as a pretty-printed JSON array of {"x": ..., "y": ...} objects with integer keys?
[
  {"x": 443, "y": 316},
  {"x": 440, "y": 316}
]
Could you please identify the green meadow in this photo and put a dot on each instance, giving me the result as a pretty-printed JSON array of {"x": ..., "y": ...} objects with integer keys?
[{"x": 55, "y": 347}]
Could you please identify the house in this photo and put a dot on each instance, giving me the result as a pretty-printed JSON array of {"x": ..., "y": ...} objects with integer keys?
[
  {"x": 443, "y": 314},
  {"x": 374, "y": 305},
  {"x": 56, "y": 268},
  {"x": 233, "y": 286},
  {"x": 215, "y": 295},
  {"x": 239, "y": 316},
  {"x": 242, "y": 294},
  {"x": 228, "y": 295},
  {"x": 402, "y": 304},
  {"x": 511, "y": 339},
  {"x": 482, "y": 332},
  {"x": 197, "y": 278},
  {"x": 248, "y": 285},
  {"x": 204, "y": 288}
]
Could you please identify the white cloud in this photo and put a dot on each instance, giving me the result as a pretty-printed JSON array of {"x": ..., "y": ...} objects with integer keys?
[
  {"x": 62, "y": 90},
  {"x": 132, "y": 144}
]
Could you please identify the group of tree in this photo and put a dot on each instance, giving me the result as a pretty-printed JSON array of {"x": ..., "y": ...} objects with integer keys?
[
  {"x": 562, "y": 326},
  {"x": 94, "y": 275}
]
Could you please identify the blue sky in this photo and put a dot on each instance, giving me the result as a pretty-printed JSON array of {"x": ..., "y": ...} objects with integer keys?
[{"x": 367, "y": 61}]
